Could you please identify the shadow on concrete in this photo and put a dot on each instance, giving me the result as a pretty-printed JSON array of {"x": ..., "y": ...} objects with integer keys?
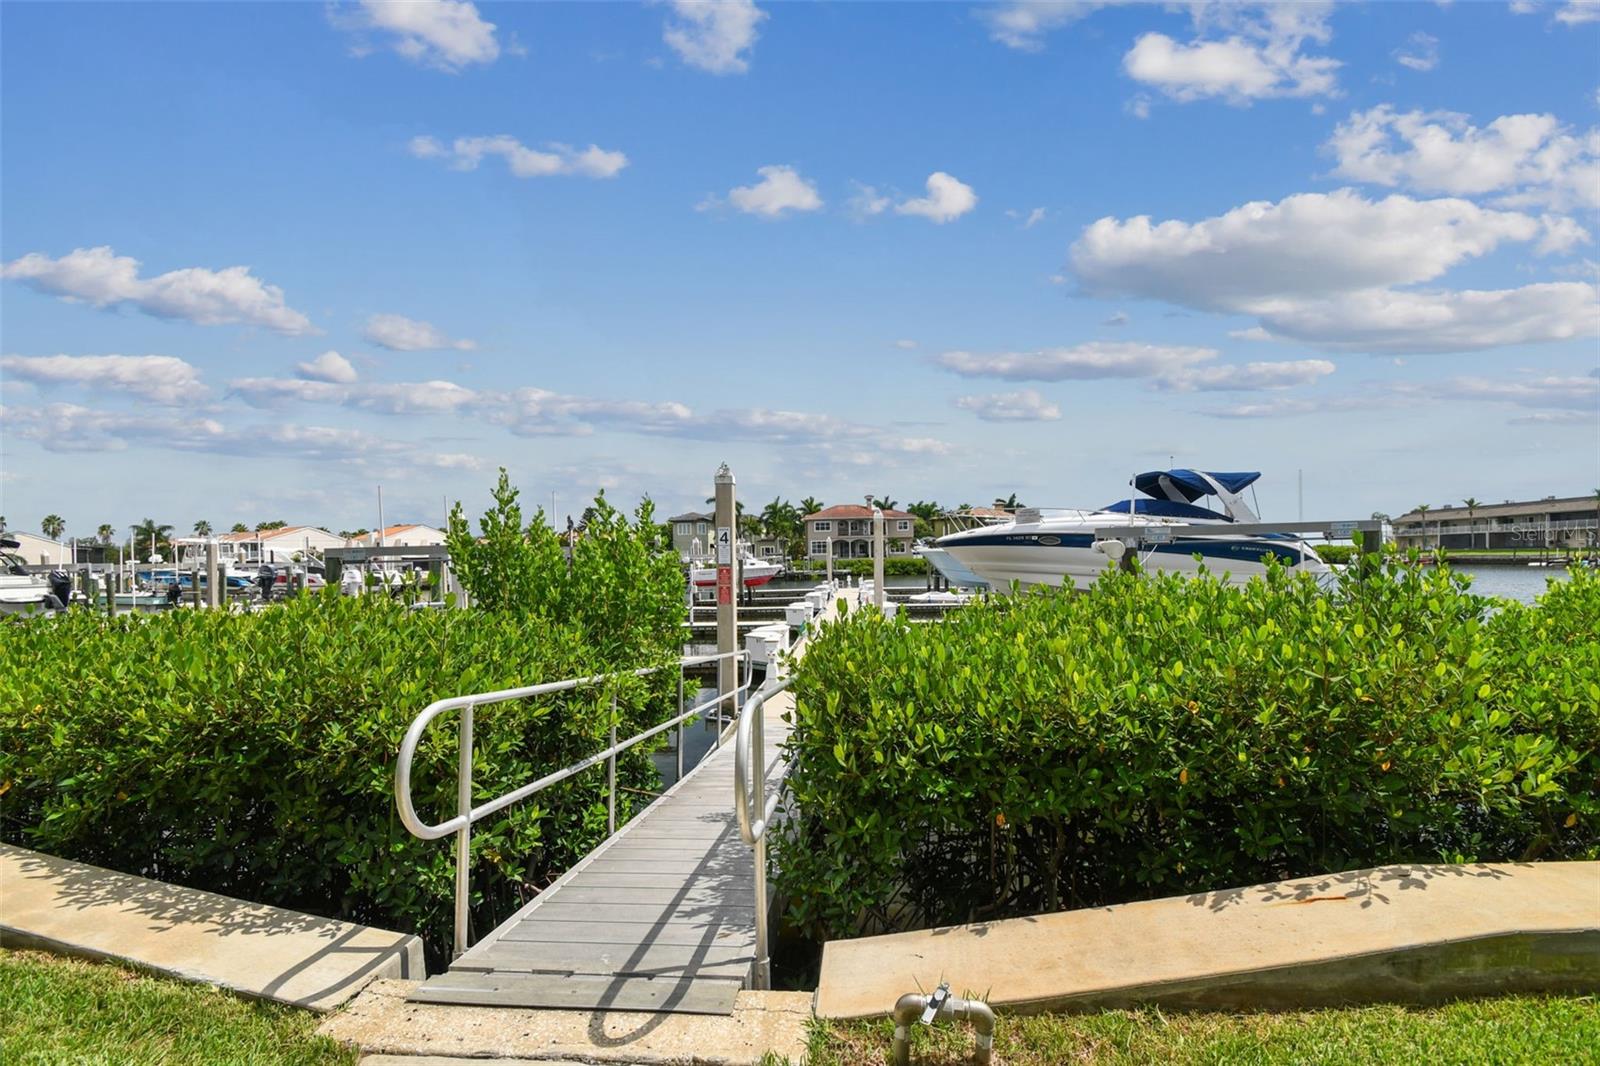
[{"x": 1361, "y": 887}]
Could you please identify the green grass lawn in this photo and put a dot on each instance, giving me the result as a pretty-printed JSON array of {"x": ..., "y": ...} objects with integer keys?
[
  {"x": 59, "y": 1010},
  {"x": 1514, "y": 1029}
]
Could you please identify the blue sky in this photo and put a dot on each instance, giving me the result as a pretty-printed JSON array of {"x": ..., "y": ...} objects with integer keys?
[{"x": 936, "y": 251}]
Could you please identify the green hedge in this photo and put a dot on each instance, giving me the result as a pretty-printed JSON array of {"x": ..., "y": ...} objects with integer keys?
[
  {"x": 892, "y": 567},
  {"x": 1335, "y": 553},
  {"x": 253, "y": 754},
  {"x": 1162, "y": 735}
]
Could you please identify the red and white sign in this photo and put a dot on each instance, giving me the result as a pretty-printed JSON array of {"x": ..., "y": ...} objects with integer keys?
[{"x": 724, "y": 585}]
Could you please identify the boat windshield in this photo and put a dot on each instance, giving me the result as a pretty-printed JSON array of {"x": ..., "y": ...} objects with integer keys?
[
  {"x": 13, "y": 564},
  {"x": 1166, "y": 509}
]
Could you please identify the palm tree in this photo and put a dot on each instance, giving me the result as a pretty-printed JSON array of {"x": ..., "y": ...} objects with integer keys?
[
  {"x": 1472, "y": 505},
  {"x": 239, "y": 527},
  {"x": 884, "y": 503},
  {"x": 1008, "y": 503},
  {"x": 156, "y": 535},
  {"x": 1423, "y": 509},
  {"x": 810, "y": 505},
  {"x": 53, "y": 526},
  {"x": 105, "y": 532},
  {"x": 2, "y": 523},
  {"x": 202, "y": 528}
]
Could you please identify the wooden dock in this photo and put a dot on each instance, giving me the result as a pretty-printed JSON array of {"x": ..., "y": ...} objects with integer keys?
[{"x": 660, "y": 917}]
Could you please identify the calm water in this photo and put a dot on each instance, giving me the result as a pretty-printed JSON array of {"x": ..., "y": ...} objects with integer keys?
[{"x": 1511, "y": 582}]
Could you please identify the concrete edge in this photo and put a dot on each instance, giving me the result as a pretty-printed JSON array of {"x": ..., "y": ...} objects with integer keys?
[
  {"x": 405, "y": 961},
  {"x": 1549, "y": 961}
]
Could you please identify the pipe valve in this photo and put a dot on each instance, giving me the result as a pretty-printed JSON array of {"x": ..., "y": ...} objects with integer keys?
[{"x": 913, "y": 1007}]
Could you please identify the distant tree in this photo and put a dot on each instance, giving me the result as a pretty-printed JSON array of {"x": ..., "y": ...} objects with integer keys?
[
  {"x": 239, "y": 527},
  {"x": 105, "y": 533},
  {"x": 781, "y": 519},
  {"x": 53, "y": 526},
  {"x": 1422, "y": 509},
  {"x": 810, "y": 505},
  {"x": 2, "y": 523},
  {"x": 1008, "y": 503},
  {"x": 202, "y": 528},
  {"x": 352, "y": 534},
  {"x": 262, "y": 527},
  {"x": 155, "y": 538},
  {"x": 884, "y": 503},
  {"x": 1472, "y": 506}
]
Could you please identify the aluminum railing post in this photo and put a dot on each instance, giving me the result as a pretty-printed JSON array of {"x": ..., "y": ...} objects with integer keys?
[
  {"x": 464, "y": 834},
  {"x": 763, "y": 976},
  {"x": 611, "y": 773},
  {"x": 679, "y": 777}
]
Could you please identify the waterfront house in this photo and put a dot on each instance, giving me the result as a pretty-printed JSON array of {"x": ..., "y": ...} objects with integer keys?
[
  {"x": 1553, "y": 522},
  {"x": 404, "y": 535},
  {"x": 280, "y": 546},
  {"x": 845, "y": 529},
  {"x": 691, "y": 533},
  {"x": 967, "y": 517}
]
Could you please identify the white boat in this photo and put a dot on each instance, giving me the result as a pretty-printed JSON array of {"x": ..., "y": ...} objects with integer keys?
[
  {"x": 20, "y": 591},
  {"x": 1060, "y": 547},
  {"x": 752, "y": 571}
]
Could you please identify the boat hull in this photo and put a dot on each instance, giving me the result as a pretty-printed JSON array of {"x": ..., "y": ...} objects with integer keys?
[
  {"x": 957, "y": 574},
  {"x": 754, "y": 574},
  {"x": 1043, "y": 557}
]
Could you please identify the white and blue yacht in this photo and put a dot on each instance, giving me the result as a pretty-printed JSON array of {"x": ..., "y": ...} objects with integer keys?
[{"x": 1062, "y": 546}]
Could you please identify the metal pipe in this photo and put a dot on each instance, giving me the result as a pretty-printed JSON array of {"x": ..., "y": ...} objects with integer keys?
[
  {"x": 679, "y": 776},
  {"x": 611, "y": 773},
  {"x": 912, "y": 1006},
  {"x": 464, "y": 834}
]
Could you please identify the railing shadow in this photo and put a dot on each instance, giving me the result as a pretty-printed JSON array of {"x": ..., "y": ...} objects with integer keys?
[{"x": 1366, "y": 887}]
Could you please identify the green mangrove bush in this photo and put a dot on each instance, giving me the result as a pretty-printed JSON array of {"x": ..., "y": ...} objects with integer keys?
[
  {"x": 1163, "y": 735},
  {"x": 253, "y": 754}
]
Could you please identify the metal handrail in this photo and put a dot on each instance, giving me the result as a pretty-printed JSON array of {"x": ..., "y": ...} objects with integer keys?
[
  {"x": 467, "y": 814},
  {"x": 750, "y": 734}
]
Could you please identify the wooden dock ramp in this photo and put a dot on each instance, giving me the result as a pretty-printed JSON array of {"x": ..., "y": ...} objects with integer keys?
[{"x": 660, "y": 917}]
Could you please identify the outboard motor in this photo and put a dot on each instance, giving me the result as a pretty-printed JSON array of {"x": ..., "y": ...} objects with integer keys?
[
  {"x": 61, "y": 586},
  {"x": 174, "y": 594},
  {"x": 266, "y": 577}
]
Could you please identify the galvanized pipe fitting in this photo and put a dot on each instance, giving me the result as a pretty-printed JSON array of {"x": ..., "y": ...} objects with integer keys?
[{"x": 914, "y": 1006}]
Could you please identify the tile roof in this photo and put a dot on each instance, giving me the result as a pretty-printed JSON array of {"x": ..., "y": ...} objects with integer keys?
[{"x": 854, "y": 510}]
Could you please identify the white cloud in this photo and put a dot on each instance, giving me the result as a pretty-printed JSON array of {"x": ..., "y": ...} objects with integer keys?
[
  {"x": 1549, "y": 399},
  {"x": 401, "y": 334},
  {"x": 1023, "y": 406},
  {"x": 866, "y": 202},
  {"x": 1029, "y": 219},
  {"x": 1084, "y": 362},
  {"x": 1421, "y": 52},
  {"x": 1174, "y": 369},
  {"x": 780, "y": 190},
  {"x": 98, "y": 276},
  {"x": 443, "y": 34},
  {"x": 1525, "y": 159},
  {"x": 1577, "y": 12},
  {"x": 906, "y": 345},
  {"x": 1383, "y": 320},
  {"x": 1246, "y": 377},
  {"x": 1254, "y": 257},
  {"x": 465, "y": 153},
  {"x": 162, "y": 379},
  {"x": 330, "y": 366},
  {"x": 1561, "y": 234},
  {"x": 948, "y": 199},
  {"x": 1116, "y": 318},
  {"x": 1023, "y": 24},
  {"x": 1241, "y": 53},
  {"x": 278, "y": 392},
  {"x": 540, "y": 412},
  {"x": 714, "y": 35}
]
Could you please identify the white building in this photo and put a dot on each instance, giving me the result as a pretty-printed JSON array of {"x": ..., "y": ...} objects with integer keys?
[
  {"x": 405, "y": 535},
  {"x": 40, "y": 551},
  {"x": 281, "y": 545}
]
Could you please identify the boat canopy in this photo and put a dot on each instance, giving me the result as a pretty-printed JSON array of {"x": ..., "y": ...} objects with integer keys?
[
  {"x": 1187, "y": 486},
  {"x": 1165, "y": 509}
]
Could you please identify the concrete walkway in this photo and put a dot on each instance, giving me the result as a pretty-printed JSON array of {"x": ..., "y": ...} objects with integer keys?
[
  {"x": 1395, "y": 933},
  {"x": 266, "y": 952},
  {"x": 382, "y": 1022}
]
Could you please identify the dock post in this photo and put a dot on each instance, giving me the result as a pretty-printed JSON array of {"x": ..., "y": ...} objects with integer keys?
[
  {"x": 216, "y": 594},
  {"x": 675, "y": 780},
  {"x": 877, "y": 557},
  {"x": 727, "y": 535}
]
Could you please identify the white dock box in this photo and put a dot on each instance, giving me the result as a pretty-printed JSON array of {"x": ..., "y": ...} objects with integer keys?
[
  {"x": 766, "y": 643},
  {"x": 798, "y": 613}
]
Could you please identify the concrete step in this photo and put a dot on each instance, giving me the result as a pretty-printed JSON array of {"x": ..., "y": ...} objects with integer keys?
[
  {"x": 255, "y": 950},
  {"x": 1413, "y": 934}
]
